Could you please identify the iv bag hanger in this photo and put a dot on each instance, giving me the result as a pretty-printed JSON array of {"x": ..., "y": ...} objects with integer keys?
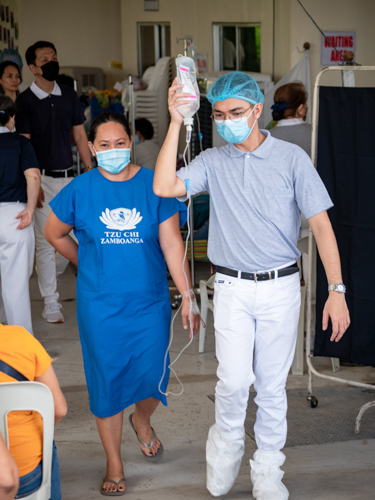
[{"x": 188, "y": 40}]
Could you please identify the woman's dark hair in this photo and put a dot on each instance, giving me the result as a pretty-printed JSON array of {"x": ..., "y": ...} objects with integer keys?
[
  {"x": 5, "y": 65},
  {"x": 7, "y": 109},
  {"x": 30, "y": 52},
  {"x": 145, "y": 127},
  {"x": 287, "y": 100},
  {"x": 106, "y": 118}
]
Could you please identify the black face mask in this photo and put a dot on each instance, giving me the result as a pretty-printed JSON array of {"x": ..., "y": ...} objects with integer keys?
[{"x": 50, "y": 70}]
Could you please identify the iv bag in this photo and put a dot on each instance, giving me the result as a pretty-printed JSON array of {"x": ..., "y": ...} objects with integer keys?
[{"x": 187, "y": 74}]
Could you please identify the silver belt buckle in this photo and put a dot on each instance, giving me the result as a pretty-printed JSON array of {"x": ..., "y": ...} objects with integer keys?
[{"x": 255, "y": 277}]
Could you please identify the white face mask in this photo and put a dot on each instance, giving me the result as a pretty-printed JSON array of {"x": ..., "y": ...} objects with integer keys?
[{"x": 113, "y": 161}]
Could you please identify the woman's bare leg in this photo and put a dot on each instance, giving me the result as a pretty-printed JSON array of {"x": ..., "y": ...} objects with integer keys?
[
  {"x": 141, "y": 421},
  {"x": 110, "y": 431}
]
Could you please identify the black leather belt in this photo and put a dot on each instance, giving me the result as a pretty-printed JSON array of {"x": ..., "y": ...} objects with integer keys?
[
  {"x": 269, "y": 275},
  {"x": 58, "y": 173}
]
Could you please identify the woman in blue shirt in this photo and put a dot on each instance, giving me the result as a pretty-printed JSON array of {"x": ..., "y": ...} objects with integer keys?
[{"x": 124, "y": 232}]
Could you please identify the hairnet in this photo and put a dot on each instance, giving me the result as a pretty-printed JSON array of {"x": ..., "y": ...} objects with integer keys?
[
  {"x": 11, "y": 55},
  {"x": 235, "y": 85}
]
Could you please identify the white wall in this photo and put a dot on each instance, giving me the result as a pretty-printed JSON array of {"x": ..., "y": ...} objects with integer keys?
[{"x": 85, "y": 32}]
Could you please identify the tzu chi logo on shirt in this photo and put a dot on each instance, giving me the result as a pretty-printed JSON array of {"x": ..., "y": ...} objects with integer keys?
[{"x": 123, "y": 220}]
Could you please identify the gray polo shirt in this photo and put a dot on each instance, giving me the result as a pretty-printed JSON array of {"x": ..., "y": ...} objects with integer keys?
[{"x": 255, "y": 202}]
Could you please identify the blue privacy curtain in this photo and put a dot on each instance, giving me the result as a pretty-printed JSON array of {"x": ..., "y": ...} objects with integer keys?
[{"x": 346, "y": 164}]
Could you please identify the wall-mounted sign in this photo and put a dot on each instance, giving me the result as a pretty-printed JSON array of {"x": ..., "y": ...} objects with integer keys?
[
  {"x": 342, "y": 40},
  {"x": 151, "y": 4}
]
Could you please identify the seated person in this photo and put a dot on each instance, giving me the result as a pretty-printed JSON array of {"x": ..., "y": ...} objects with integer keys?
[
  {"x": 146, "y": 151},
  {"x": 8, "y": 473},
  {"x": 21, "y": 351}
]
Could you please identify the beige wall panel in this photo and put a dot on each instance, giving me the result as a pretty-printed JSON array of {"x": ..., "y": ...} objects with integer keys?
[
  {"x": 334, "y": 15},
  {"x": 195, "y": 19},
  {"x": 85, "y": 32}
]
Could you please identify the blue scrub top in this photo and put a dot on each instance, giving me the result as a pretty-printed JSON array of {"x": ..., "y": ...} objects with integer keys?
[{"x": 123, "y": 304}]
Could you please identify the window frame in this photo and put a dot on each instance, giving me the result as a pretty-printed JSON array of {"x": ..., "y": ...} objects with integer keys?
[
  {"x": 158, "y": 53},
  {"x": 217, "y": 43}
]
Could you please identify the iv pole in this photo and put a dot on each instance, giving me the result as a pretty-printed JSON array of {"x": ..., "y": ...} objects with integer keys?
[{"x": 187, "y": 39}]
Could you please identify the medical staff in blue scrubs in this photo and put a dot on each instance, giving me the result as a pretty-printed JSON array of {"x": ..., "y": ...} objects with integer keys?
[{"x": 124, "y": 232}]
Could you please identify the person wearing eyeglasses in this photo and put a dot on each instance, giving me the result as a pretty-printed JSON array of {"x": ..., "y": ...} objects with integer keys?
[{"x": 258, "y": 186}]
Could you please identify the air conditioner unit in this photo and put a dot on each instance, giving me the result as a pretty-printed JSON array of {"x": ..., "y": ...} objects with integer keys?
[{"x": 85, "y": 76}]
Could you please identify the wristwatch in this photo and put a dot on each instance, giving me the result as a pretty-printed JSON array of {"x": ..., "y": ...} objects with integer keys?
[{"x": 338, "y": 287}]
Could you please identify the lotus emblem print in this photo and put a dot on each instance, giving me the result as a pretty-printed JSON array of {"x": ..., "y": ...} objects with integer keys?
[{"x": 121, "y": 218}]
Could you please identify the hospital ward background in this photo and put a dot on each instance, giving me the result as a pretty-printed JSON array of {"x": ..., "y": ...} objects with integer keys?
[{"x": 119, "y": 56}]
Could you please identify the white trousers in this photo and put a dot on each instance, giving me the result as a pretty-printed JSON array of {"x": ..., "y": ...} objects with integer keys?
[
  {"x": 256, "y": 330},
  {"x": 45, "y": 253},
  {"x": 16, "y": 265}
]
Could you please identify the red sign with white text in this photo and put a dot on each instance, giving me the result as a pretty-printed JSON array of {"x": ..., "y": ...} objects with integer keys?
[{"x": 342, "y": 40}]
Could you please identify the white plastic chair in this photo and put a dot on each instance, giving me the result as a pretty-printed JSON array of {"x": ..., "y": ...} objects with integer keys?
[
  {"x": 153, "y": 102},
  {"x": 206, "y": 304},
  {"x": 31, "y": 396},
  {"x": 297, "y": 366}
]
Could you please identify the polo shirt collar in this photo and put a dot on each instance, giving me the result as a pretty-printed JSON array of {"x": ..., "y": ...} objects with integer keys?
[
  {"x": 261, "y": 152},
  {"x": 41, "y": 94},
  {"x": 4, "y": 130}
]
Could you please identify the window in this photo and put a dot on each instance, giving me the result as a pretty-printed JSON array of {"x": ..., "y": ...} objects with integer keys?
[
  {"x": 236, "y": 47},
  {"x": 154, "y": 42}
]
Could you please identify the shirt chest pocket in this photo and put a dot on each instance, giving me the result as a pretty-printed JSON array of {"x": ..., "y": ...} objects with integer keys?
[{"x": 278, "y": 206}]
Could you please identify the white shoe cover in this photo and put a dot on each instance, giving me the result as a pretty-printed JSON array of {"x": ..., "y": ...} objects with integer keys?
[
  {"x": 266, "y": 475},
  {"x": 224, "y": 452}
]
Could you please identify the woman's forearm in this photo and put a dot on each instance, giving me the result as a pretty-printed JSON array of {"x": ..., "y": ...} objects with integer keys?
[
  {"x": 174, "y": 257},
  {"x": 66, "y": 246},
  {"x": 33, "y": 188}
]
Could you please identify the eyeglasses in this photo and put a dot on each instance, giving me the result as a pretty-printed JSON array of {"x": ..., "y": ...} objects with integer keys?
[{"x": 235, "y": 117}]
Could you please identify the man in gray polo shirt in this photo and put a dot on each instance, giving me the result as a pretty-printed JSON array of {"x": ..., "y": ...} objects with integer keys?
[{"x": 258, "y": 187}]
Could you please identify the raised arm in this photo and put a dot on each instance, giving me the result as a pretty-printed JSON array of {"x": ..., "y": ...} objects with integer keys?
[
  {"x": 166, "y": 183},
  {"x": 57, "y": 234},
  {"x": 335, "y": 307}
]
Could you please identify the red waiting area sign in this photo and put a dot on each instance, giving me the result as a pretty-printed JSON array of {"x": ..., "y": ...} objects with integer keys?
[{"x": 342, "y": 41}]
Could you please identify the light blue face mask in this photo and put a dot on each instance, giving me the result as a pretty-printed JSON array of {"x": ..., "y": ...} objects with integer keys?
[
  {"x": 113, "y": 161},
  {"x": 235, "y": 132},
  {"x": 137, "y": 140}
]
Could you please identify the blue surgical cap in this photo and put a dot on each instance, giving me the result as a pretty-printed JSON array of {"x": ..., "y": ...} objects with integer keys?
[
  {"x": 11, "y": 55},
  {"x": 235, "y": 85}
]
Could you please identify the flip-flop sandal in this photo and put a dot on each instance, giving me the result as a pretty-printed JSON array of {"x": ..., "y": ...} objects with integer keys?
[
  {"x": 113, "y": 493},
  {"x": 152, "y": 458}
]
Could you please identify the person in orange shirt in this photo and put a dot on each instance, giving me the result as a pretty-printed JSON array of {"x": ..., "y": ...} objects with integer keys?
[{"x": 21, "y": 354}]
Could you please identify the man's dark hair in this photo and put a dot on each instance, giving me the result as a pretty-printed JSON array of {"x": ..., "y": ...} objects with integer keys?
[
  {"x": 7, "y": 109},
  {"x": 107, "y": 118},
  {"x": 145, "y": 127},
  {"x": 30, "y": 52}
]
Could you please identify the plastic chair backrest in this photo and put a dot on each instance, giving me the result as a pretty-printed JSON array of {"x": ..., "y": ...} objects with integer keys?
[
  {"x": 161, "y": 67},
  {"x": 31, "y": 396}
]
